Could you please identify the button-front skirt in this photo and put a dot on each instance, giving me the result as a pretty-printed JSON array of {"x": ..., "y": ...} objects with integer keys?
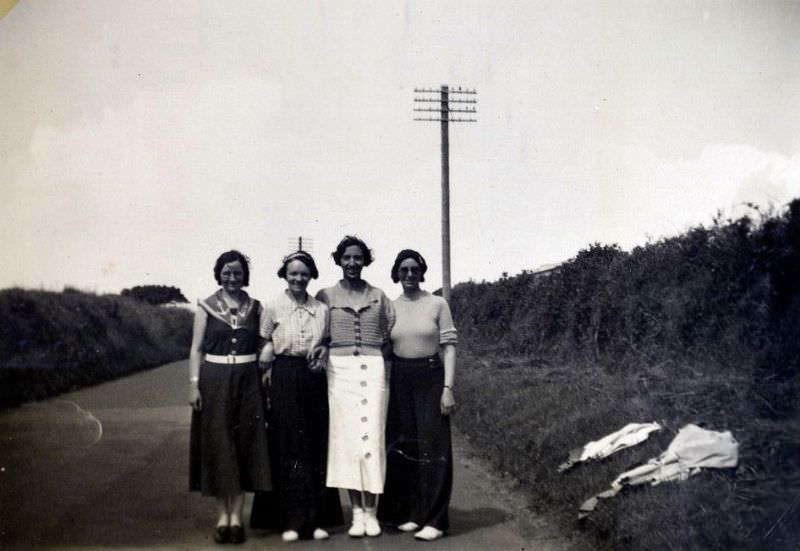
[{"x": 358, "y": 397}]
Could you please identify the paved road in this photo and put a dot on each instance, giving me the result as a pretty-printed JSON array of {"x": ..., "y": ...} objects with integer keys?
[{"x": 106, "y": 467}]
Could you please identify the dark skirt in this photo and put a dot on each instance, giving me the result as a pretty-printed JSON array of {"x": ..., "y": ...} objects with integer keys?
[
  {"x": 228, "y": 442},
  {"x": 298, "y": 440},
  {"x": 419, "y": 472}
]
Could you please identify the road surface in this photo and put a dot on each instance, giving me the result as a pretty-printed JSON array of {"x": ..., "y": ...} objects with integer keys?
[{"x": 107, "y": 468}]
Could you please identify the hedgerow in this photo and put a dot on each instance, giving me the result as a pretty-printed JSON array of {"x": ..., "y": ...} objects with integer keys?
[
  {"x": 53, "y": 342},
  {"x": 703, "y": 328}
]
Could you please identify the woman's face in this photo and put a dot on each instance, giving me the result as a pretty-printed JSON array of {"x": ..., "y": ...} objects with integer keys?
[
  {"x": 352, "y": 262},
  {"x": 409, "y": 273},
  {"x": 297, "y": 276},
  {"x": 232, "y": 276}
]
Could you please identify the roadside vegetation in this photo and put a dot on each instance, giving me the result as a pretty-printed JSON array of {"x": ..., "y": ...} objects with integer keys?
[
  {"x": 700, "y": 328},
  {"x": 54, "y": 342}
]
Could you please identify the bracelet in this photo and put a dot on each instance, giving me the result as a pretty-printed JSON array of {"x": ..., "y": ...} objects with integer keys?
[{"x": 448, "y": 387}]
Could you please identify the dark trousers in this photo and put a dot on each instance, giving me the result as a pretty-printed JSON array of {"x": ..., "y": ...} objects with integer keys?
[
  {"x": 419, "y": 474},
  {"x": 298, "y": 440}
]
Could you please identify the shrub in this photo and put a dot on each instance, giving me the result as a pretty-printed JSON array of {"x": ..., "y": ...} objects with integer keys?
[
  {"x": 703, "y": 327},
  {"x": 53, "y": 342}
]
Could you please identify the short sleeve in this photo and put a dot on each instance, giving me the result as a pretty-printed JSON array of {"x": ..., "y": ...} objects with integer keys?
[
  {"x": 322, "y": 296},
  {"x": 267, "y": 322},
  {"x": 447, "y": 330},
  {"x": 389, "y": 315}
]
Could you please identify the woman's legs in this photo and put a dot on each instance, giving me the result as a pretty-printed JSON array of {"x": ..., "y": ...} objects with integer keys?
[
  {"x": 365, "y": 520},
  {"x": 223, "y": 516}
]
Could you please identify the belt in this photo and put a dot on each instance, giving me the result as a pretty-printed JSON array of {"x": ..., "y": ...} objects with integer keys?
[{"x": 231, "y": 358}]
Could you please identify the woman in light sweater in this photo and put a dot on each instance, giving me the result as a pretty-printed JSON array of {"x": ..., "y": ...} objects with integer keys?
[
  {"x": 361, "y": 318},
  {"x": 419, "y": 474}
]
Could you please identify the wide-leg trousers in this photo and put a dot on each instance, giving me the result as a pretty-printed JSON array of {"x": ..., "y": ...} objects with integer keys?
[
  {"x": 419, "y": 473},
  {"x": 298, "y": 441}
]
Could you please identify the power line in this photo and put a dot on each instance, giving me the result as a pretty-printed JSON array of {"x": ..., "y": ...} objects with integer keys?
[{"x": 466, "y": 106}]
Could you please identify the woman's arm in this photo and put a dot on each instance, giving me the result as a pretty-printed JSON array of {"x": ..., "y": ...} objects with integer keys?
[
  {"x": 196, "y": 357},
  {"x": 318, "y": 354},
  {"x": 448, "y": 401}
]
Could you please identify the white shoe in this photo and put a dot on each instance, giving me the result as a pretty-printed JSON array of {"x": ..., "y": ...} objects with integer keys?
[
  {"x": 371, "y": 525},
  {"x": 409, "y": 526},
  {"x": 429, "y": 533},
  {"x": 320, "y": 534},
  {"x": 357, "y": 529},
  {"x": 290, "y": 535}
]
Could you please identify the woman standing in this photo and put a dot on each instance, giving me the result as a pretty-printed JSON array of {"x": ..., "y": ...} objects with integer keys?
[
  {"x": 228, "y": 446},
  {"x": 361, "y": 318},
  {"x": 294, "y": 325},
  {"x": 420, "y": 458}
]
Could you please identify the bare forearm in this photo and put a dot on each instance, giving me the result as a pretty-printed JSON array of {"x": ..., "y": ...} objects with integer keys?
[{"x": 449, "y": 361}]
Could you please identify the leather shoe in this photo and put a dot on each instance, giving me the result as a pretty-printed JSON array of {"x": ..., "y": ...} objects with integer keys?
[
  {"x": 222, "y": 534},
  {"x": 237, "y": 534}
]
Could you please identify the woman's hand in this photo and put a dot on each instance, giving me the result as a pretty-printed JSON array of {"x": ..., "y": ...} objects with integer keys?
[
  {"x": 266, "y": 373},
  {"x": 317, "y": 358},
  {"x": 195, "y": 400},
  {"x": 448, "y": 403}
]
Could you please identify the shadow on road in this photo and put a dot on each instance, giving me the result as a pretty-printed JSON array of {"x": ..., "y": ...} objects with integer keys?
[{"x": 464, "y": 521}]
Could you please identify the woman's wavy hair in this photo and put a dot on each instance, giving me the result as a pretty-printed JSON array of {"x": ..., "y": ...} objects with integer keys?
[
  {"x": 404, "y": 255},
  {"x": 303, "y": 257},
  {"x": 347, "y": 242},
  {"x": 232, "y": 256}
]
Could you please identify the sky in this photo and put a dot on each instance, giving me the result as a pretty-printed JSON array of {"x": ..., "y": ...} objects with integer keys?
[{"x": 141, "y": 139}]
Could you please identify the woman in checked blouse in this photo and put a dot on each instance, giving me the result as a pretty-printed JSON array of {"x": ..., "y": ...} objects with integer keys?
[
  {"x": 361, "y": 319},
  {"x": 420, "y": 459},
  {"x": 293, "y": 325}
]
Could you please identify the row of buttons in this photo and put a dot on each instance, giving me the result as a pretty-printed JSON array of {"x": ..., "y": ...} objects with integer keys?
[{"x": 364, "y": 401}]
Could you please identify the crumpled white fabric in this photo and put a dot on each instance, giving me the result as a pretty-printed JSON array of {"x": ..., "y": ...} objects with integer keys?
[
  {"x": 692, "y": 449},
  {"x": 629, "y": 435}
]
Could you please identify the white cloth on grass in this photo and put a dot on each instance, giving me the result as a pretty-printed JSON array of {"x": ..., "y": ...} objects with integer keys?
[
  {"x": 629, "y": 435},
  {"x": 692, "y": 450}
]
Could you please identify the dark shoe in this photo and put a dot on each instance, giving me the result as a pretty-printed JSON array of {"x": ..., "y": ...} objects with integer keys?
[
  {"x": 237, "y": 534},
  {"x": 222, "y": 534}
]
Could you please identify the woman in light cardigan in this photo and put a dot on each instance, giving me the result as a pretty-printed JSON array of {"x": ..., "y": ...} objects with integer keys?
[
  {"x": 420, "y": 459},
  {"x": 361, "y": 318}
]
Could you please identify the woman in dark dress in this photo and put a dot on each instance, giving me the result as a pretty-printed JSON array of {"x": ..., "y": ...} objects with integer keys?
[
  {"x": 419, "y": 473},
  {"x": 229, "y": 454},
  {"x": 294, "y": 324}
]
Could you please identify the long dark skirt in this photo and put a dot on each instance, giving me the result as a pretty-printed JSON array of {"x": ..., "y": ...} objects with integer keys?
[
  {"x": 419, "y": 473},
  {"x": 228, "y": 440},
  {"x": 298, "y": 439}
]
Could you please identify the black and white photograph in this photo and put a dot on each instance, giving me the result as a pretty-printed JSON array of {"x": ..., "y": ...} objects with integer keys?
[{"x": 340, "y": 275}]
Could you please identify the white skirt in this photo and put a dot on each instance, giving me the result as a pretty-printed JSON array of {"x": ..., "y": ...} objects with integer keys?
[{"x": 358, "y": 396}]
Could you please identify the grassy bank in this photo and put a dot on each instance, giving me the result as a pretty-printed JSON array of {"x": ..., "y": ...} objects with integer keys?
[
  {"x": 54, "y": 342},
  {"x": 701, "y": 328}
]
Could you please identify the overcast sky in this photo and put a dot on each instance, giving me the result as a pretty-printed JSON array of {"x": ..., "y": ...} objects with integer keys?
[{"x": 141, "y": 139}]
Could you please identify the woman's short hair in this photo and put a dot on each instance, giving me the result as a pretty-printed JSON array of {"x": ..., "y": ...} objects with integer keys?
[
  {"x": 348, "y": 241},
  {"x": 303, "y": 257},
  {"x": 405, "y": 254},
  {"x": 232, "y": 256}
]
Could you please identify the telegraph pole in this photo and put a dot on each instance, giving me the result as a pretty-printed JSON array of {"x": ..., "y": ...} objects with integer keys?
[
  {"x": 300, "y": 243},
  {"x": 466, "y": 107}
]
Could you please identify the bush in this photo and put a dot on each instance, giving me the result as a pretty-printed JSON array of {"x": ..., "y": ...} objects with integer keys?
[
  {"x": 703, "y": 327},
  {"x": 155, "y": 294},
  {"x": 54, "y": 342}
]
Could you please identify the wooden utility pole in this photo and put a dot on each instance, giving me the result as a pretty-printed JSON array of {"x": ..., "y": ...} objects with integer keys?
[
  {"x": 429, "y": 95},
  {"x": 300, "y": 244}
]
